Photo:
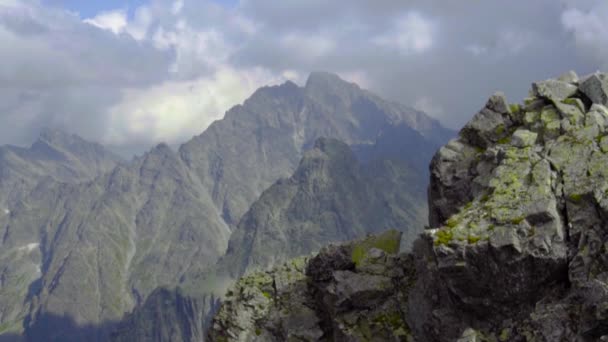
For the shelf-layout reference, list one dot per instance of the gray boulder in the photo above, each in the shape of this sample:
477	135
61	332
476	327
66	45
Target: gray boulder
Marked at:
595	87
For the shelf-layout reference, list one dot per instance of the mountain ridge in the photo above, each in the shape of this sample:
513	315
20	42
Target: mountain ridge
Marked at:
164	216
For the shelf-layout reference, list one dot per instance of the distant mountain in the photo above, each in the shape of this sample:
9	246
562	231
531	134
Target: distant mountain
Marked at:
263	140
56	155
92	251
331	197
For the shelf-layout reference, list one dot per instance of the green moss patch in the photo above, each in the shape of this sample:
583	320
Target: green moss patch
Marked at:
576	198
389	242
444	236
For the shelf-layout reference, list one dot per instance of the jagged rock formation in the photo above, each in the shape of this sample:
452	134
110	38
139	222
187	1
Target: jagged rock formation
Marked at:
93	251
516	248
355	291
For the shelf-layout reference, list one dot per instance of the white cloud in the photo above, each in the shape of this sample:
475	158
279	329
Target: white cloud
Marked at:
429	106
507	43
411	33
589	30
176	109
476	50
177	7
115	21
514	41
309	47
139	26
194	50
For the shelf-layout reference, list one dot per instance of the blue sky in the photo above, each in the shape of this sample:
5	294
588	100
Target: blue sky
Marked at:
89	8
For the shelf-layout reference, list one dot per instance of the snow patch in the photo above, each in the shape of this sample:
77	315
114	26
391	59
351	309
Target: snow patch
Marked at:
29	247
6	211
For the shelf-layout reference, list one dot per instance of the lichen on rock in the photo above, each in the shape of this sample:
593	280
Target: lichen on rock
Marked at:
351	292
536	209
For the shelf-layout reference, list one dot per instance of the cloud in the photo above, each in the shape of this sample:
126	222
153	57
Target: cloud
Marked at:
427	105
588	27
114	21
309	47
411	33
174	110
164	70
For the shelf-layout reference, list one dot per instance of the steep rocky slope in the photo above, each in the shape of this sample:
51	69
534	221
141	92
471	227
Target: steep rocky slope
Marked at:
515	251
56	155
331	197
90	252
99	247
263	140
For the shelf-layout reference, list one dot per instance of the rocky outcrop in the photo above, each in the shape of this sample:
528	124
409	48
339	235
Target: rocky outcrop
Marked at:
353	292
516	248
518	214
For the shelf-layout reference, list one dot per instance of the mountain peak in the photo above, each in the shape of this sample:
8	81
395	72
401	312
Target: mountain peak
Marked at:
54	135
327	87
326	79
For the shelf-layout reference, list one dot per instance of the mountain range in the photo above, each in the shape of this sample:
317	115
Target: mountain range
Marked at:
92	246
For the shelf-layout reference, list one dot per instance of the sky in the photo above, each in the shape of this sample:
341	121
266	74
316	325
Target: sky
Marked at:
130	74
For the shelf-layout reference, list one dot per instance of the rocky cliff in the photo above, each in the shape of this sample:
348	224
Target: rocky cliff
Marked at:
515	251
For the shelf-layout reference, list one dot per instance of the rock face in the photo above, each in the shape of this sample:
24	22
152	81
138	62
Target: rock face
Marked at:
256	143
518	215
331	197
515	251
55	155
84	254
352	292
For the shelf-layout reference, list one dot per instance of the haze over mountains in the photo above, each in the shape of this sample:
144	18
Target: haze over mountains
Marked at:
87	238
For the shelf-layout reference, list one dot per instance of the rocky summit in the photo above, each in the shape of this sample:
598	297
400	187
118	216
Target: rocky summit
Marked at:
516	248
